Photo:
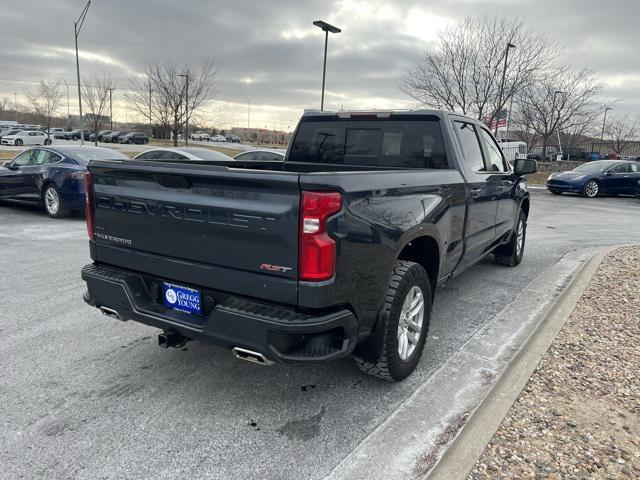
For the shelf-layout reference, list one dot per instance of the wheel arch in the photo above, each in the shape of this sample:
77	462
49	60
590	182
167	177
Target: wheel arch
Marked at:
424	250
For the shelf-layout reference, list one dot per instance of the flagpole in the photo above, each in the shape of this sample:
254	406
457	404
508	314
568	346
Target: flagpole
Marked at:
509	117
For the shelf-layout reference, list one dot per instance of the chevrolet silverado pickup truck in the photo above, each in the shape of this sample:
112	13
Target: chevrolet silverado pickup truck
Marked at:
335	252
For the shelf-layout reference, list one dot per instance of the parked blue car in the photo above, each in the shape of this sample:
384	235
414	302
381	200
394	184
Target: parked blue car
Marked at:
612	177
51	177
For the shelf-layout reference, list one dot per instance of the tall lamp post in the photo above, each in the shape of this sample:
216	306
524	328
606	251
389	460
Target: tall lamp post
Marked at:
604	122
186	107
504	75
248	109
326	28
556	93
77	27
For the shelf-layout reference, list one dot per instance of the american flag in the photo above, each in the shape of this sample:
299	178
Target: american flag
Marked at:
500	119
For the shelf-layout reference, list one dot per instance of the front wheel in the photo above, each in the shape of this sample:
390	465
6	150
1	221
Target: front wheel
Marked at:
511	253
406	314
590	189
19	143
53	203
75	139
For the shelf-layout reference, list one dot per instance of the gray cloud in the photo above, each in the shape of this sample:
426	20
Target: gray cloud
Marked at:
274	44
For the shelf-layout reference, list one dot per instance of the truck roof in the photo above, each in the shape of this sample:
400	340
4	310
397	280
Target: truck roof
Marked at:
380	113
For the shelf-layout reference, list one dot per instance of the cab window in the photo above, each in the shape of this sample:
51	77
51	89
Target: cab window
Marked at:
494	154
471	151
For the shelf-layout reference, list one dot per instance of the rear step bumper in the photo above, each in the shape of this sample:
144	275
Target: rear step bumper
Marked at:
280	334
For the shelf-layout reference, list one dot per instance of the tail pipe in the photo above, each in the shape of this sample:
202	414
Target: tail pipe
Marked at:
110	312
250	356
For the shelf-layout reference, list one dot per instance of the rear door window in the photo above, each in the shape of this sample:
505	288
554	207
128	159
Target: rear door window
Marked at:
396	142
470	144
494	154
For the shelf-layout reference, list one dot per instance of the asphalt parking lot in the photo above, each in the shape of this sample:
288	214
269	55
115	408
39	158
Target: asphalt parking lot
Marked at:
83	396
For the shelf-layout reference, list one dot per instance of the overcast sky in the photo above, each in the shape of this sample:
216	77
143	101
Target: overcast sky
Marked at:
270	51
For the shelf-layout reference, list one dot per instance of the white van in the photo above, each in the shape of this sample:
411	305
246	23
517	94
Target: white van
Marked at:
514	150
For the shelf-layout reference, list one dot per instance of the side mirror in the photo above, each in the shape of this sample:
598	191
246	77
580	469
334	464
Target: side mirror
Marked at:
525	166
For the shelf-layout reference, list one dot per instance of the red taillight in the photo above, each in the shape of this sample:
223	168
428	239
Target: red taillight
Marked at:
88	189
317	248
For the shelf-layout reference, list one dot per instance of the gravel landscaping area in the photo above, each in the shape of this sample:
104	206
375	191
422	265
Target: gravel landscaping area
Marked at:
579	414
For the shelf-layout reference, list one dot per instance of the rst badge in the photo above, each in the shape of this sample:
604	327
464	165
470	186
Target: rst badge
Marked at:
274	268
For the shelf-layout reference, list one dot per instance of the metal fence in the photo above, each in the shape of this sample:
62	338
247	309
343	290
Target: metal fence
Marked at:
588	151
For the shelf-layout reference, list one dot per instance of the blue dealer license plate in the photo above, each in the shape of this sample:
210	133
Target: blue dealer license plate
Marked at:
181	298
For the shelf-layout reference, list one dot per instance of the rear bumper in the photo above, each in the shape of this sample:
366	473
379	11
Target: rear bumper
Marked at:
280	333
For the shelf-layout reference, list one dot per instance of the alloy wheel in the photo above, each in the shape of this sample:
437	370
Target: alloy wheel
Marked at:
591	189
52	201
410	323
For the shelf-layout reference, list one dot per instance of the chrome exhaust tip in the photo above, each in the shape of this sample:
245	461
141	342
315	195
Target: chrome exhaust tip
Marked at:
250	356
110	312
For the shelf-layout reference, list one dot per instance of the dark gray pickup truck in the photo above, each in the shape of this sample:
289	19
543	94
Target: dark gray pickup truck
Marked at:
336	251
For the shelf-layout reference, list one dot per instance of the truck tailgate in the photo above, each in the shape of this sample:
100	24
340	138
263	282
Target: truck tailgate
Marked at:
228	229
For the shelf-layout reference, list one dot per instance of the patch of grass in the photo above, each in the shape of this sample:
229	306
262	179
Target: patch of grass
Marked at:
8	154
538	178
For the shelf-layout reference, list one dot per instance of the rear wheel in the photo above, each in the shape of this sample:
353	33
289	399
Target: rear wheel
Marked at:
53	202
590	189
75	138
406	314
47	141
511	253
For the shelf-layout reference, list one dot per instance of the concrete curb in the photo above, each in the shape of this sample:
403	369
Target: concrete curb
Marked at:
414	437
459	459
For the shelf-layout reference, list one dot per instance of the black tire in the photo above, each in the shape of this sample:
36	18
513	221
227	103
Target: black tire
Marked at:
61	210
75	138
510	254
588	189
389	365
47	141
18	142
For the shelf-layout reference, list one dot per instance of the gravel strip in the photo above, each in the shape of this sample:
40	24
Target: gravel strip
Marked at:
579	414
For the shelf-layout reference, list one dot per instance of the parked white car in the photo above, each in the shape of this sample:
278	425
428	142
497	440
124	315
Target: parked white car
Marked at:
219	138
26	137
200	136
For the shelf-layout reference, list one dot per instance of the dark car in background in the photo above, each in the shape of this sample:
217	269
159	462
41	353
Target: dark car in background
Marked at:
75	134
113	136
261	155
51	177
134	137
233	138
100	135
612	177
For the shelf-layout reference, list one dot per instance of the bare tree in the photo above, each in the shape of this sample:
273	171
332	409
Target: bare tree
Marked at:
562	100
95	94
5	104
464	72
622	132
160	94
44	101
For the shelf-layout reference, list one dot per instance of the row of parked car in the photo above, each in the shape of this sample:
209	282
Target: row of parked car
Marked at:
19	137
52	176
204	136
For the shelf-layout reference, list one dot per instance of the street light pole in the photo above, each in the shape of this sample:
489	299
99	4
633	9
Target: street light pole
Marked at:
67	85
186	108
501	92
326	28
77	27
248	110
557	92
604	122
111	108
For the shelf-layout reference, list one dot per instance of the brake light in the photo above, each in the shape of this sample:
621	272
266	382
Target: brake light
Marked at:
88	189
317	248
